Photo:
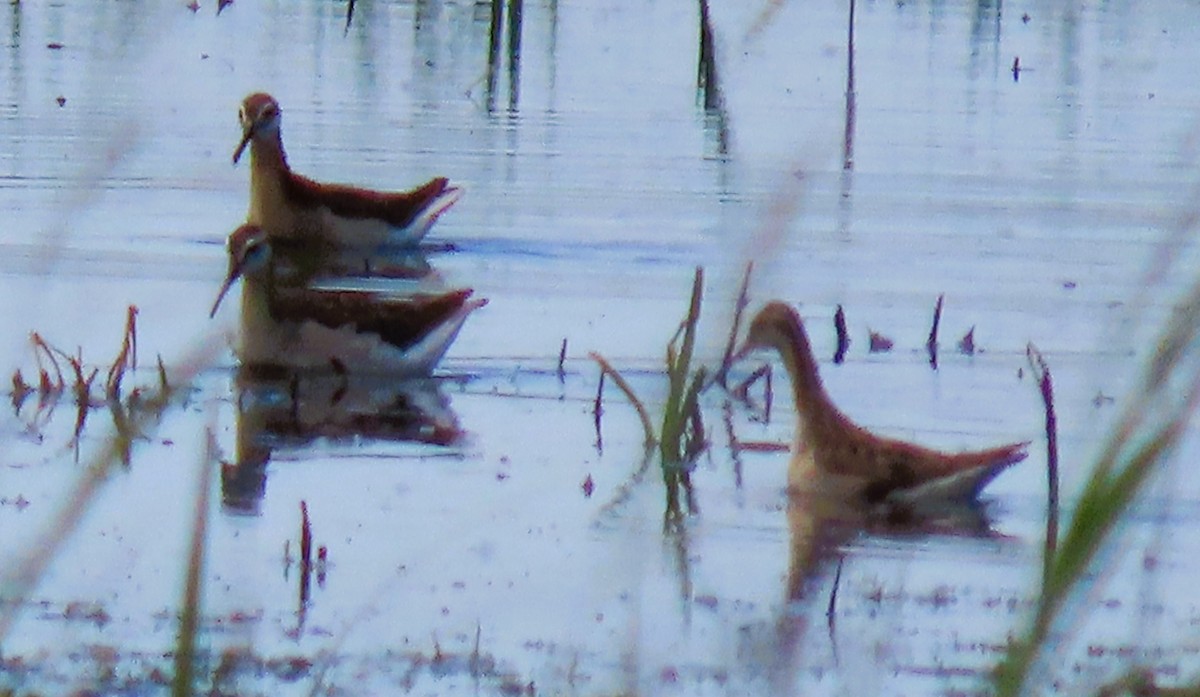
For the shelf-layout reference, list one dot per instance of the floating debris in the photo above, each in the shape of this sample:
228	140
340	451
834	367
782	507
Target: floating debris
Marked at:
879	343
966	345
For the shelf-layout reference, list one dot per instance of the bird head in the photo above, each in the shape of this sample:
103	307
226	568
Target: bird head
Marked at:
249	253
259	117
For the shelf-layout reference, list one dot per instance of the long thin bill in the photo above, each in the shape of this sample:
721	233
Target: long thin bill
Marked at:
242	145
229	279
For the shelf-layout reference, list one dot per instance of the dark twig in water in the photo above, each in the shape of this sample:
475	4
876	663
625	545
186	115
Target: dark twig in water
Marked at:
1041	372
932	343
305	539
305	567
831	609
349	16
562	359
843	338
739	309
598	410
878	343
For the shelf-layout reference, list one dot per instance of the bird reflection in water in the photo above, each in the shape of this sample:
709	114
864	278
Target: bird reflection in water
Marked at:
284	409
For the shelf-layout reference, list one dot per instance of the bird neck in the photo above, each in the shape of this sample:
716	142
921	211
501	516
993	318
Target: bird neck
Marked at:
814	408
268	153
257	291
268	174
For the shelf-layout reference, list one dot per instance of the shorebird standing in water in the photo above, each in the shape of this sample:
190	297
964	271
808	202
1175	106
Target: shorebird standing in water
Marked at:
288	205
833	455
296	326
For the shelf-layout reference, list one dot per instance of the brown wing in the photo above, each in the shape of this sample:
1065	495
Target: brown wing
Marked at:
396	208
886	464
903	465
400	322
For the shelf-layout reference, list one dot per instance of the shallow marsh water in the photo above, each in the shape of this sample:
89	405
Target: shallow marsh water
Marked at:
596	181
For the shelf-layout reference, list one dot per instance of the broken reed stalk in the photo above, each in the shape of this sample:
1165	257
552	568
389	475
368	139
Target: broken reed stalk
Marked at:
739	308
43	350
82	387
1041	373
126	357
189	618
619	380
932	343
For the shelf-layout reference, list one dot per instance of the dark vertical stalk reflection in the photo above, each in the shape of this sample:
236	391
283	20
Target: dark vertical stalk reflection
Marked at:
493	65
848	130
497	51
707	81
514	52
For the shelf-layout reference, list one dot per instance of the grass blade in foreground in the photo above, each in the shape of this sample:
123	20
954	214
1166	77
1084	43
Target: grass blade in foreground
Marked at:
189	619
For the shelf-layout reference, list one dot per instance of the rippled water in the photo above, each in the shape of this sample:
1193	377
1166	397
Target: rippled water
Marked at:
596	181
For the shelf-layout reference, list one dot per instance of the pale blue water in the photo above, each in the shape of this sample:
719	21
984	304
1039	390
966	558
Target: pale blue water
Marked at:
596	181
